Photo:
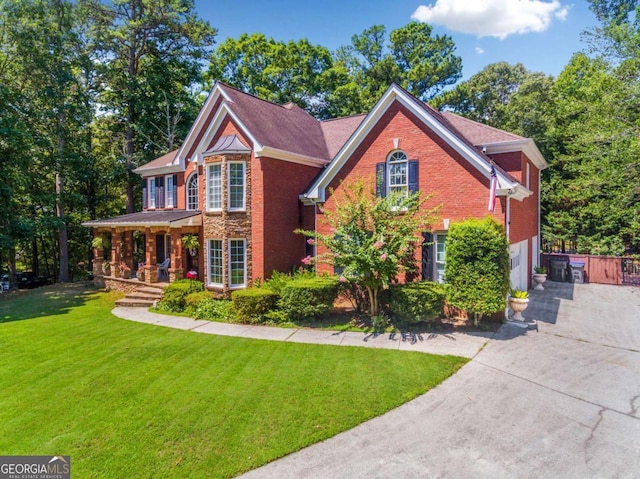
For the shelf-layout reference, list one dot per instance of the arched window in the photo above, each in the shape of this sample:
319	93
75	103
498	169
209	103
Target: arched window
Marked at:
192	192
397	176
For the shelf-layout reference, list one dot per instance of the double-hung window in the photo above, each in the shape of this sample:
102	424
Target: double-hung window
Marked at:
441	256
172	191
215	262
237	260
235	185
214	187
152	193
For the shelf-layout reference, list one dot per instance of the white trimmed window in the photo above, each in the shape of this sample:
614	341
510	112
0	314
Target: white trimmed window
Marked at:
192	192
172	191
237	263
236	189
215	262
214	187
397	174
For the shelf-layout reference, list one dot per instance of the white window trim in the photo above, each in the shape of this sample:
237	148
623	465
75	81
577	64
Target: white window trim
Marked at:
528	179
151	192
436	237
189	179
168	193
208	262
208	188
244	263
244	186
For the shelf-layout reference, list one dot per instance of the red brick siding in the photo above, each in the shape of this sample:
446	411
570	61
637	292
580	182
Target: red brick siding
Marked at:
454	183
282	213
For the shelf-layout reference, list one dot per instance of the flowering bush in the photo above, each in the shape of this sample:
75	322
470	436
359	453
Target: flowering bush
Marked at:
372	239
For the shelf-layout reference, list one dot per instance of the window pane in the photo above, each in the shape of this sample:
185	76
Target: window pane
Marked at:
236	262
236	186
215	262
214	193
441	250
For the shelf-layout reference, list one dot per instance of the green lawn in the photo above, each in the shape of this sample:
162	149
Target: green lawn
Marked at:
134	400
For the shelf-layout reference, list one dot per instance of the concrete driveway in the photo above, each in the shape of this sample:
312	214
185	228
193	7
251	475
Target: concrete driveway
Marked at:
562	401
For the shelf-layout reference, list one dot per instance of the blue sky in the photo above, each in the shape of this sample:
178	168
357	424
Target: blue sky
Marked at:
541	34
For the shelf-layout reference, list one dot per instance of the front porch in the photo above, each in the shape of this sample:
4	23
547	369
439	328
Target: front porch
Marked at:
146	247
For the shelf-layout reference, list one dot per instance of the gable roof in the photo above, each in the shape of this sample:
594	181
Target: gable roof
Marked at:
437	122
337	132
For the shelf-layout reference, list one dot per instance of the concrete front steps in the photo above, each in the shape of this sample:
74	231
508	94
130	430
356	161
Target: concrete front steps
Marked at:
143	297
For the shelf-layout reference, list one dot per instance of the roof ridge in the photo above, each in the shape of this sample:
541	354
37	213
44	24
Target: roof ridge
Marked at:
342	117
261	99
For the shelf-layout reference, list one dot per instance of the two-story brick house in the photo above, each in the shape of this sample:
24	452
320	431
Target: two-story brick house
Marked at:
250	172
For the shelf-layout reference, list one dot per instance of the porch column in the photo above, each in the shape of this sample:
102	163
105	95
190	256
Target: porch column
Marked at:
127	254
98	260
150	267
116	252
176	271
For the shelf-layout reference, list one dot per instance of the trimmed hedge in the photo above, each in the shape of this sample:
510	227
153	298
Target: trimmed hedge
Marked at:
308	298
252	304
417	302
174	297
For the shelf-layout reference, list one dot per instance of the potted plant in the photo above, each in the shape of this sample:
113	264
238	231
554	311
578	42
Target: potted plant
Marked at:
518	302
97	242
125	271
106	268
539	276
191	243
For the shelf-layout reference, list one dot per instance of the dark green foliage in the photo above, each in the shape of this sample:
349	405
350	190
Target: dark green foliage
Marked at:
252	304
477	267
193	300
308	298
213	309
415	302
175	295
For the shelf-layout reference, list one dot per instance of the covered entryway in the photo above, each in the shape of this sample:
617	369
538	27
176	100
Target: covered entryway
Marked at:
141	242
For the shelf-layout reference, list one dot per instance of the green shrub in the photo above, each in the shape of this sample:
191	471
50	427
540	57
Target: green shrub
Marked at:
278	280
307	298
477	267
174	296
213	309
192	300
252	304
415	302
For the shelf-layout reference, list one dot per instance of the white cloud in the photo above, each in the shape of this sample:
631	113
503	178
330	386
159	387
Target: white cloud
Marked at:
479	51
492	18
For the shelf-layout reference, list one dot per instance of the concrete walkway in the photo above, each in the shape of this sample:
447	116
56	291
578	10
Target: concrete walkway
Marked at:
562	401
559	401
459	344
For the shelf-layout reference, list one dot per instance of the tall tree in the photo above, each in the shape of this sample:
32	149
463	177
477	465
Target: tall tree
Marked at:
47	54
411	57
151	52
280	72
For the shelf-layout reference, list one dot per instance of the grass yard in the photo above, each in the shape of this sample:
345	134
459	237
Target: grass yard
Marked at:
134	400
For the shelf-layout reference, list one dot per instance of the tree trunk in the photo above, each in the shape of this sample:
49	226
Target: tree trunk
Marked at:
63	243
374	307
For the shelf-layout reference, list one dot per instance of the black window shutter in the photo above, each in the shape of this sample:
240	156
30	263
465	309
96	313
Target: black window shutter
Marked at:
427	256
175	191
381	180
413	176
144	193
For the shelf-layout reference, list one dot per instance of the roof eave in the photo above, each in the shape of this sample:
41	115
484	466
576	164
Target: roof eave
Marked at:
158	170
270	152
